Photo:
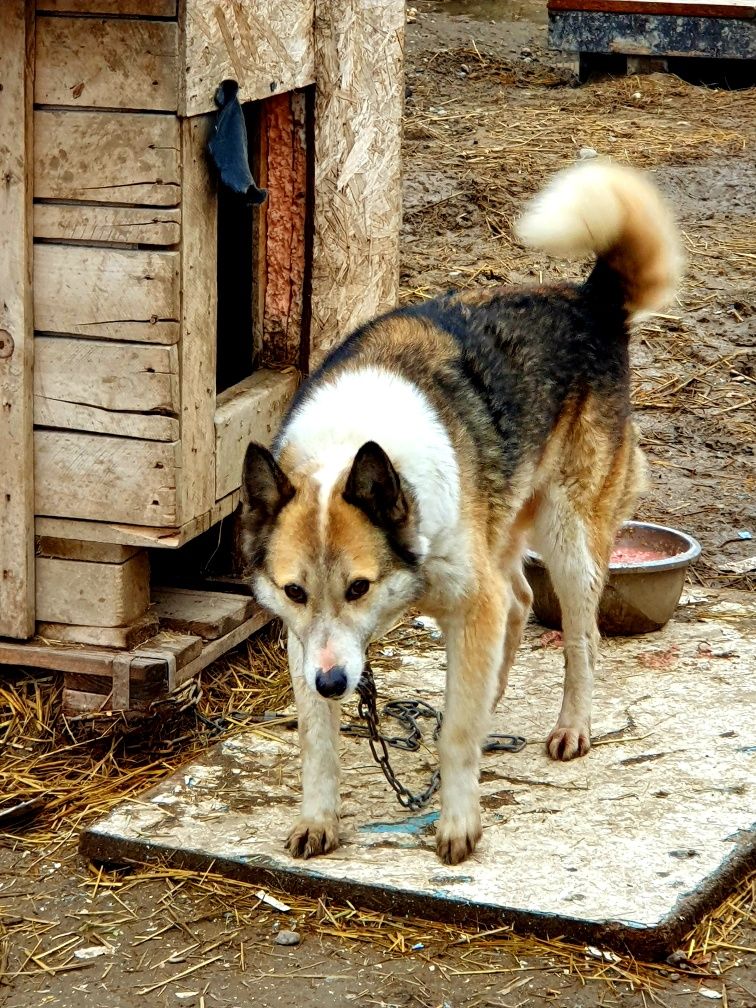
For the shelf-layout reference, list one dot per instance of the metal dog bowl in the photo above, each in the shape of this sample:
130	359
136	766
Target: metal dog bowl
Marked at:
640	594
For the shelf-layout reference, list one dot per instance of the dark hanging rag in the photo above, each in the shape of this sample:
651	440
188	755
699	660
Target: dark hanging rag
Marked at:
228	145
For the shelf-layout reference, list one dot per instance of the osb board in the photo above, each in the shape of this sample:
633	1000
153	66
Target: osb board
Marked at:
107	157
266	46
357	214
250	411
104	478
122	294
16	326
628	845
121	63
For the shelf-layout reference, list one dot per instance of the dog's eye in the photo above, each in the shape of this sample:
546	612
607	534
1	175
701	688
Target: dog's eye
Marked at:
357	589
296	593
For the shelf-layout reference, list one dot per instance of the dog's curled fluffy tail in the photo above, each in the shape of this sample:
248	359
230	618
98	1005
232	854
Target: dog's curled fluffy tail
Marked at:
616	214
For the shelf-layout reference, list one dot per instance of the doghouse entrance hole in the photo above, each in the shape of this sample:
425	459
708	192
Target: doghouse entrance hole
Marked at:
238	340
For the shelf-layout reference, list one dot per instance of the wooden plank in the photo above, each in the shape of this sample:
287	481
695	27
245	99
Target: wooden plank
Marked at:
198	323
105	478
75	549
101	157
283	123
214	649
75	416
111	375
68	659
16	342
126	637
107	63
144	8
138	535
107	292
357	212
184	647
266	46
250	411
92	594
102	223
673	8
206	614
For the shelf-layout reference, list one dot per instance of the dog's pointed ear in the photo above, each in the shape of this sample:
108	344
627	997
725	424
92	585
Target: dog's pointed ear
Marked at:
265	490
374	486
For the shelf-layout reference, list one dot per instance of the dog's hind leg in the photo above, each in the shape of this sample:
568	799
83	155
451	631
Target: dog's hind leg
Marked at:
317	829
475	641
562	537
517	617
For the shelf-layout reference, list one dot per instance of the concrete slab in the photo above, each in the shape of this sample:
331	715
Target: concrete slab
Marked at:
628	846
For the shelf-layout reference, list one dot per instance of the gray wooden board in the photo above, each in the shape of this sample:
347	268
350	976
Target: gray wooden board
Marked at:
652	35
628	846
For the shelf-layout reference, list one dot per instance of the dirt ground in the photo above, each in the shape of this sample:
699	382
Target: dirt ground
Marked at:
489	114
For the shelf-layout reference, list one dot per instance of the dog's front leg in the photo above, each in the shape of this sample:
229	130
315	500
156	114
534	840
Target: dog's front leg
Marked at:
474	648
317	829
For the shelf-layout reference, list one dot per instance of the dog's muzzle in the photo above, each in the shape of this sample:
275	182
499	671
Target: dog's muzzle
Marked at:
331	683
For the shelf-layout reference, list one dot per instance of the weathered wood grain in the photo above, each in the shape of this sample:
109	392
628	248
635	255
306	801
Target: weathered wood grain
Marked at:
198	322
357	215
129	636
106	292
250	411
105	478
78	417
74	549
92	594
101	223
132	377
107	63
107	157
266	46
207	614
16	337
144	8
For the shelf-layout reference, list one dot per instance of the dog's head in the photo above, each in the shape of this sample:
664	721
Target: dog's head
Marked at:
338	561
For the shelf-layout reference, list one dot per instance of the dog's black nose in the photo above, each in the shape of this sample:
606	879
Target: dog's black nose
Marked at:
332	683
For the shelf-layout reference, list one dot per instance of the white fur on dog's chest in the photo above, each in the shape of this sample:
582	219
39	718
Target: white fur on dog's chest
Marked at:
373	404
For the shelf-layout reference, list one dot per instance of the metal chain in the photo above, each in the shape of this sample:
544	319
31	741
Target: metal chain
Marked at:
406	712
367	710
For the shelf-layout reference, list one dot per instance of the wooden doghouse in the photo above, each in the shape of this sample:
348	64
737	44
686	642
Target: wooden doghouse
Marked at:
150	327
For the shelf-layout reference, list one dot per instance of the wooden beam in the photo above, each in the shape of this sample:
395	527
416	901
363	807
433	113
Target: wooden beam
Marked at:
93	594
106	478
107	157
198	322
250	411
16	342
107	63
126	637
138	535
357	215
107	293
75	549
144	8
266	46
100	223
204	613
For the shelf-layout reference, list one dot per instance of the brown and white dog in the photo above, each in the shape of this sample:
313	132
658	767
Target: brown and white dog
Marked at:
415	463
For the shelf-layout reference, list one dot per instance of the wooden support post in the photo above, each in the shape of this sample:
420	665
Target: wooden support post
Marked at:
16	332
357	212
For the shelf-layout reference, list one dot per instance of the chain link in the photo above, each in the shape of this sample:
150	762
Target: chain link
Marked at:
406	712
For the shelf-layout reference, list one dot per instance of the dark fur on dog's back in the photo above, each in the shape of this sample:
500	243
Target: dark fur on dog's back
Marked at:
507	361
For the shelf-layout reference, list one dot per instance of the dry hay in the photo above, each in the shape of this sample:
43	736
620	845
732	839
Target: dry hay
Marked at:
81	782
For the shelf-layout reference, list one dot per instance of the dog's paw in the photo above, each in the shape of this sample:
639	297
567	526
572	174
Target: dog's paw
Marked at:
311	837
567	742
457	837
